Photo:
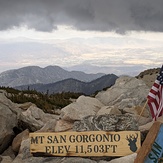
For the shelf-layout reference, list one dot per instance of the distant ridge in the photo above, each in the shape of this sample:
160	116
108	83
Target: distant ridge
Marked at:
35	74
74	85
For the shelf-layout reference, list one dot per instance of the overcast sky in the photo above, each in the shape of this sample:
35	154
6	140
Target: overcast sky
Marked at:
105	33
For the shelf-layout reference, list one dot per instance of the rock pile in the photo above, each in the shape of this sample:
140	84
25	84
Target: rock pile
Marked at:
115	109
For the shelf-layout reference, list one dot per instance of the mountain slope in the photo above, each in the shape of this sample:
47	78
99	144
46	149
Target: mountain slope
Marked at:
34	74
73	85
149	76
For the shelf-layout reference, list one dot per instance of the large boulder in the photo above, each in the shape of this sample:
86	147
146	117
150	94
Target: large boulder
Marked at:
108	122
34	118
8	120
18	139
126	93
24	152
83	106
12	106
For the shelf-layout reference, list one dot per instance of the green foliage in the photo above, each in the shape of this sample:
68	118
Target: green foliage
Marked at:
48	103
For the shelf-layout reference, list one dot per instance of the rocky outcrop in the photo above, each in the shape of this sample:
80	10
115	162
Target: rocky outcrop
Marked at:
14	119
149	76
126	93
116	109
83	106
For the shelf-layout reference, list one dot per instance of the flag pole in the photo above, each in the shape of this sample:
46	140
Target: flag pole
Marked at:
143	109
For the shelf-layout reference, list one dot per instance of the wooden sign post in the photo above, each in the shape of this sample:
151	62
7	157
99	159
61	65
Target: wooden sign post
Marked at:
152	148
89	143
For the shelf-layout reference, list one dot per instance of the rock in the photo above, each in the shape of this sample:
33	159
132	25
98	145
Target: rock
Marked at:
6	159
83	106
24	152
18	139
29	122
126	93
108	110
34	118
49	126
140	120
149	76
137	110
56	126
107	123
9	152
146	127
125	159
25	149
63	126
5	101
25	106
8	120
57	111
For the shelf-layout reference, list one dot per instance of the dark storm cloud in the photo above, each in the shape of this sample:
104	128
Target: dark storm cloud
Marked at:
101	15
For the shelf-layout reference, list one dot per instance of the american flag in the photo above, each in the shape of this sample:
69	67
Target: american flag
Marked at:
155	96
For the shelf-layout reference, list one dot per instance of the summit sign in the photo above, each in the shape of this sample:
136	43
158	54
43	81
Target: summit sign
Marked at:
90	143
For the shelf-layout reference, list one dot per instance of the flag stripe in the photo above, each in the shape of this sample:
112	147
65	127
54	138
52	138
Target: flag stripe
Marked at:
151	95
155	96
160	109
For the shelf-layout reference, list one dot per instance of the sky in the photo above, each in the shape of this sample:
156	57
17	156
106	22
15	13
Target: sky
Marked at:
109	36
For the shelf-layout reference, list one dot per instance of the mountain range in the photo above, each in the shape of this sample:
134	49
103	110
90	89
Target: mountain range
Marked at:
55	79
73	85
37	75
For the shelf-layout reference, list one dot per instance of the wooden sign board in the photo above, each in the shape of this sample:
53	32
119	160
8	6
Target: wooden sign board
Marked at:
89	143
152	148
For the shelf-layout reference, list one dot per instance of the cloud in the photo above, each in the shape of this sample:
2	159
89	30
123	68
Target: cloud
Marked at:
100	15
99	51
